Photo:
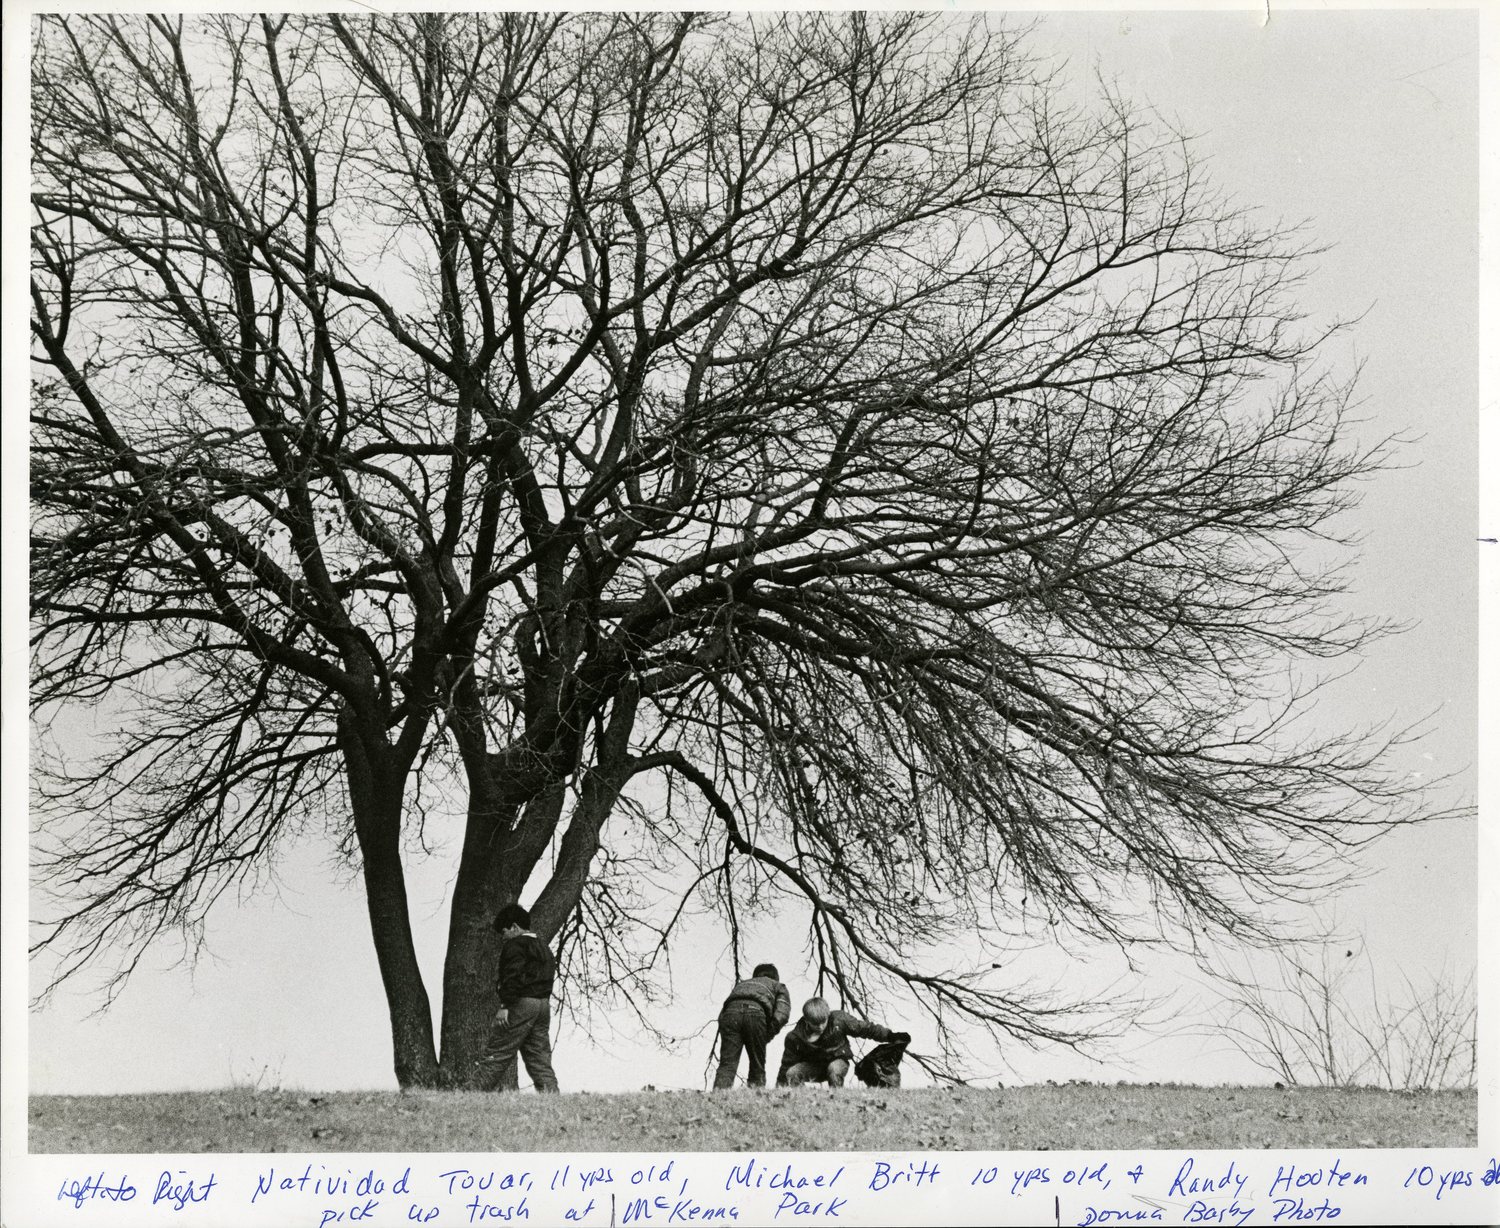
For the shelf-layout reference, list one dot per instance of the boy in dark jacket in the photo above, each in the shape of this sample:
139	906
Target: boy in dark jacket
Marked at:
755	1011
817	1049
524	1019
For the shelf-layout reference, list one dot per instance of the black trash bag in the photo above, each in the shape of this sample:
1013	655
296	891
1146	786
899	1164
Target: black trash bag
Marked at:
881	1066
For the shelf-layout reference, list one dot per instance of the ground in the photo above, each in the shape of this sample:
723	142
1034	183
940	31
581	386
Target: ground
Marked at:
1072	1117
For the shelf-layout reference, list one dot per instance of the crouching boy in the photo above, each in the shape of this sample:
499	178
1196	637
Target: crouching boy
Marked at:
817	1049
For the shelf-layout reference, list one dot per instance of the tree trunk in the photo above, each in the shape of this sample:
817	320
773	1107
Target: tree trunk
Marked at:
497	861
596	799
469	999
557	900
411	1013
376	786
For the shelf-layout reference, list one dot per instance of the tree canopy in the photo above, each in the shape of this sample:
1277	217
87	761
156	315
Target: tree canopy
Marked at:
758	460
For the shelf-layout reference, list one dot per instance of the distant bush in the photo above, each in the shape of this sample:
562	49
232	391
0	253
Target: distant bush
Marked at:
1322	1019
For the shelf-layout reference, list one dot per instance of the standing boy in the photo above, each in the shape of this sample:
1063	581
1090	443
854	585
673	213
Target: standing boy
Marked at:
755	1011
524	1019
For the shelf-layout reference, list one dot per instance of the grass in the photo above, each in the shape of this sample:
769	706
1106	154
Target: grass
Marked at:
1071	1116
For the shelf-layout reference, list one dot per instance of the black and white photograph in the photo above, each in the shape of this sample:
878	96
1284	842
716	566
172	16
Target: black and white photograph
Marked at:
901	582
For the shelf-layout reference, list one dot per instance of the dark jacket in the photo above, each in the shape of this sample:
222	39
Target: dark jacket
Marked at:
771	996
832	1042
526	969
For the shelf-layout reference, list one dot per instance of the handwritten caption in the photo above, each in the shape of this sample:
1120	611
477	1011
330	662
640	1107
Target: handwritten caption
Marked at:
1082	1191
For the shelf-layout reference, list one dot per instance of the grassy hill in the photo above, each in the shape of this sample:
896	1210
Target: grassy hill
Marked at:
1069	1116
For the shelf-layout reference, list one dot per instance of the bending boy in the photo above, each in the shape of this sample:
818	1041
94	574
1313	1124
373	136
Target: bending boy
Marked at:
755	1011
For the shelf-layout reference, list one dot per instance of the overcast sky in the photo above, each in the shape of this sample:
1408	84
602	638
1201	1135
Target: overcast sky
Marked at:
1363	123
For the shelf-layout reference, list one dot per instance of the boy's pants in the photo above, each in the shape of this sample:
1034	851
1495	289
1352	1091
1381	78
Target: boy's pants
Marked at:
742	1026
525	1031
798	1073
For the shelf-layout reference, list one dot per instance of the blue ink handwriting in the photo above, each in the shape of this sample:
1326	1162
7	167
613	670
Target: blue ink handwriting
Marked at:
787	1179
328	1184
1087	1173
1186	1183
682	1211
1445	1180
912	1175
479	1210
466	1179
799	1206
1116	1215
350	1214
1201	1213
180	1193
78	1192
1295	1210
1289	1178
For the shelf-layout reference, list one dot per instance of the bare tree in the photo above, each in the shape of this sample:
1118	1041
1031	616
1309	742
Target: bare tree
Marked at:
749	459
1323	1019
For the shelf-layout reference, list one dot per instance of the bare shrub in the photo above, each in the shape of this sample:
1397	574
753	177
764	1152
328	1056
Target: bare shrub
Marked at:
1324	1019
